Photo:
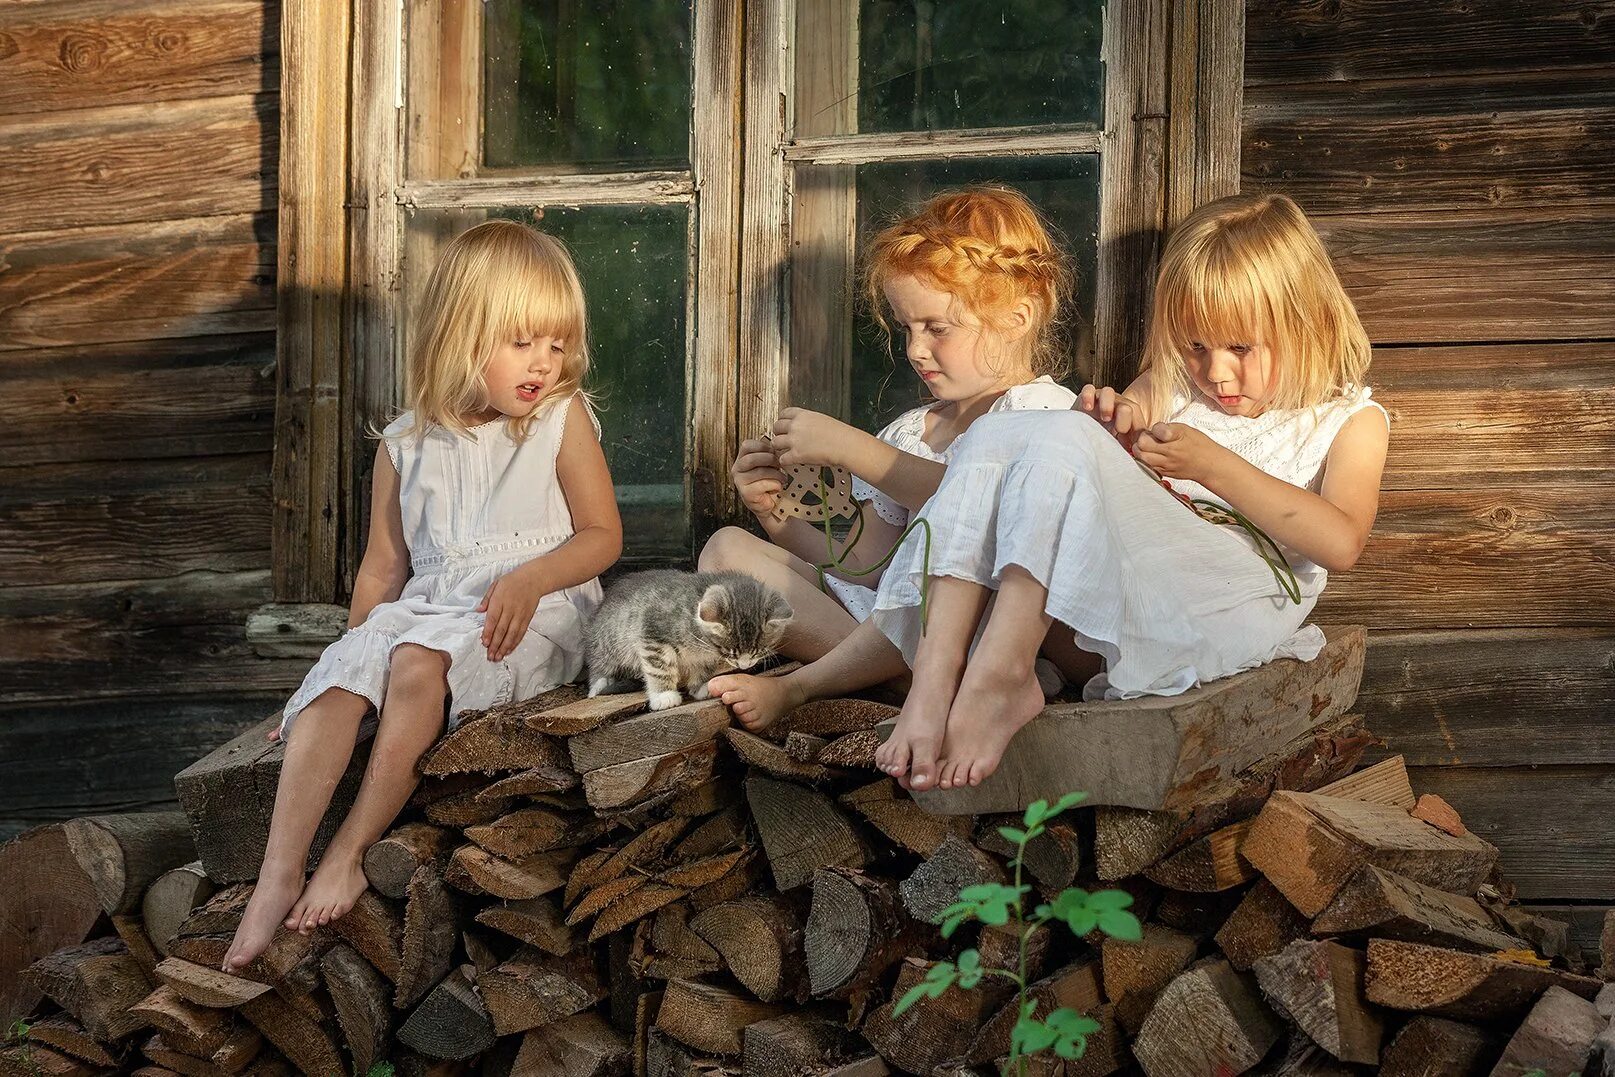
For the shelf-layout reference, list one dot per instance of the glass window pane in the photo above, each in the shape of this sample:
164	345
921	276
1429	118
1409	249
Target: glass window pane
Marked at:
597	85
633	261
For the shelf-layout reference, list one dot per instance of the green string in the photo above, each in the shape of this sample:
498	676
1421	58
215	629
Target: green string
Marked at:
1266	548
838	562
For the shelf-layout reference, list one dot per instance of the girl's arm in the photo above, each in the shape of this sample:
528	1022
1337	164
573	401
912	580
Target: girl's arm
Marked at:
385	567
809	437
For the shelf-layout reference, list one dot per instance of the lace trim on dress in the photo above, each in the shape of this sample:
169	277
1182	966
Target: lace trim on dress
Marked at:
465	554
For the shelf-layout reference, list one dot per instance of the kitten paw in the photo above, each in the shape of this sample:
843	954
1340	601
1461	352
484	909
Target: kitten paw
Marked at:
661	701
700	691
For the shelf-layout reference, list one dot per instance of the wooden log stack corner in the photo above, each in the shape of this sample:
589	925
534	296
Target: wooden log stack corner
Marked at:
582	888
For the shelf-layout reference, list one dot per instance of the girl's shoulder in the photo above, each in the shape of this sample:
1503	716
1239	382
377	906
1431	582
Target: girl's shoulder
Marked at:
908	429
1040	394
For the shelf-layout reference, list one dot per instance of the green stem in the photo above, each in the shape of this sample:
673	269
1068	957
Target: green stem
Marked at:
1020	919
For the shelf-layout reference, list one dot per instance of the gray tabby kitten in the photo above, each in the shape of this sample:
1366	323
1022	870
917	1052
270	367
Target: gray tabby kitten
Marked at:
678	629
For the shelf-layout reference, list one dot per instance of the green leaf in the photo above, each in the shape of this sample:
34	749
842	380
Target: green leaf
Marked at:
1030	1036
1071	1031
1013	834
381	1069
1119	924
1070	800
991	902
938	978
1100	900
1036	812
970	970
951	924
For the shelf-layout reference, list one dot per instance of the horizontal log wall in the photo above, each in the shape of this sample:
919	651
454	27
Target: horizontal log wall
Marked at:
1458	161
137	392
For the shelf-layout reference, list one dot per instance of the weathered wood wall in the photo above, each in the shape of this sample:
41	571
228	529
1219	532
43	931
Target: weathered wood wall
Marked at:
1459	160
137	392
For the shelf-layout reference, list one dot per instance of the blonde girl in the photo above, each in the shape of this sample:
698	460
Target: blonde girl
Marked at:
1252	398
974	283
492	514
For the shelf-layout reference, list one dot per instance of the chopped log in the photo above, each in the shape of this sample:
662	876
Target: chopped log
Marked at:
204	1028
1439	814
578	716
467	809
710	1017
533	989
857	928
56	907
646	1004
1545	935
240	1049
1465	987
582	1045
526	831
32	1060
1166	752
1075	987
1200	915
1207	864
1436	1047
1557	1036
746	876
165	1054
640	779
1309	845
893	812
305	1042
1381	903
532	783
133	933
801	1043
721	791
69	1037
648	735
1052	858
124	854
1135	973
723	830
1128	840
171	899
699	874
535	921
489	744
391	862
202	986
802	830
360	996
1263	923
97	983
431	928
1298	1056
451	1022
1319	986
805	747
1210	1020
760	939
640	851
834	717
665	1057
595	900
1386	782
854	750
474	870
999	947
635	906
374	927
933	1030
936	883
773	760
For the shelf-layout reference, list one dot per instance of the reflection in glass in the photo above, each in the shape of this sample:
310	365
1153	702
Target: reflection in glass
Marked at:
632	260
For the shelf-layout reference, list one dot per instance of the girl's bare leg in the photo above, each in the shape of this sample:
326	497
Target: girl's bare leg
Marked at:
411	722
999	692
910	753
818	622
317	754
864	659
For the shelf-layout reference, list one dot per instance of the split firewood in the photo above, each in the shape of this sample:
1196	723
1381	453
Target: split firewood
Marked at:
744	877
802	1043
710	1017
533	783
936	883
591	903
722	830
533	989
1465	987
760	940
1439	814
391	862
97	983
305	1042
932	1030
1263	923
805	747
1075	987
490	744
160	1051
1309	845
290	962
132	930
1386	782
630	783
1437	1047
360	995
833	718
671	939
204	986
1319	986
857	928
569	717
582	1045
648	735
67	1036
480	951
771	759
868	1066
526	831
718	792
124	854
1052	858
32	1060
582	875
1207	864
1136	972
451	1023
634	906
1211	1019
59	908
536	921
893	812
474	870
1557	1036
431	929
171	899
646	1005
666	1057
468	809
999	946
701	873
638	853
1383	904
241	1049
1547	936
854	751
1298	1056
1199	914
374	927
802	830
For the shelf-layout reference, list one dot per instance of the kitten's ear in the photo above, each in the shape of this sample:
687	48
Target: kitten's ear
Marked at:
779	613
714	605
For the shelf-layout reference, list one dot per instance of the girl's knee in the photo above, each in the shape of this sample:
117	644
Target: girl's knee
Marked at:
728	549
417	665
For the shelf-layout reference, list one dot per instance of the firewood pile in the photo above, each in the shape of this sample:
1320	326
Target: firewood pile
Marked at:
581	887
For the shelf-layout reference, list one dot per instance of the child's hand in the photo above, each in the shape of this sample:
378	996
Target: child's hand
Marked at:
809	437
1179	452
757	477
509	604
1121	415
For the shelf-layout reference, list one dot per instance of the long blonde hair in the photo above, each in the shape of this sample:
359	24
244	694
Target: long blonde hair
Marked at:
492	283
1251	269
988	248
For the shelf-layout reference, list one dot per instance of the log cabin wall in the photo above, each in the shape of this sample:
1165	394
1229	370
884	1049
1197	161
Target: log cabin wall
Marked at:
1459	160
137	392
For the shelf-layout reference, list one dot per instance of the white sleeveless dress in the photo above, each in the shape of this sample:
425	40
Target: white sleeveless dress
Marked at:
1167	599
907	432
474	508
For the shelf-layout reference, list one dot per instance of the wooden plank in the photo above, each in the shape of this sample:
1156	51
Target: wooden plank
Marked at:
116	165
201	397
1373	39
137	519
63	54
1465	275
668	188
150	281
1499	142
1207	88
1452	559
877	146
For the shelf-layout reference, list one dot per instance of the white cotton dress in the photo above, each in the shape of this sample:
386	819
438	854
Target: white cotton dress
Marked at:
1167	599
907	432
474	508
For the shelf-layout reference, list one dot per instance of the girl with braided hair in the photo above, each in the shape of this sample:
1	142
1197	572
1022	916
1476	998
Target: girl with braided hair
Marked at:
975	285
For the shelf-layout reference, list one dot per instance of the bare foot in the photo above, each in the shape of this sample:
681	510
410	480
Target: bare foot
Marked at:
336	885
910	753
757	702
271	897
992	704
